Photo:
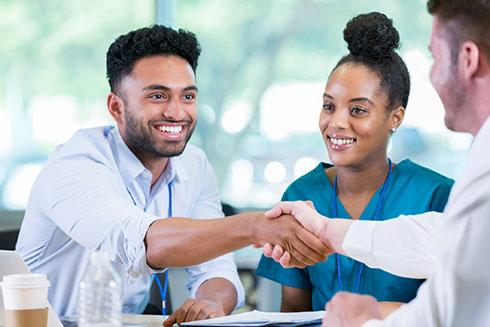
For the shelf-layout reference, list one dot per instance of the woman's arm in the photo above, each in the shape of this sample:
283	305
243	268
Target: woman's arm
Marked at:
295	299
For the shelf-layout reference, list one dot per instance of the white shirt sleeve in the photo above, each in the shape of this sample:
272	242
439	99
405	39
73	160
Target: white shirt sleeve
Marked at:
458	293
89	208
404	246
209	206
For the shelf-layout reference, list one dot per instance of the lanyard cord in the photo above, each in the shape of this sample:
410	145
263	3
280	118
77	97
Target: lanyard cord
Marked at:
162	289
375	217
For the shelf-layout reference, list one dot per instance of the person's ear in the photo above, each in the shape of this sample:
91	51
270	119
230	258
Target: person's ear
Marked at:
396	118
115	105
468	60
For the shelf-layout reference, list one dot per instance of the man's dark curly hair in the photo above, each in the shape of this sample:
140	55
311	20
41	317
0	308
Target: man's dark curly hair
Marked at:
465	20
127	49
372	40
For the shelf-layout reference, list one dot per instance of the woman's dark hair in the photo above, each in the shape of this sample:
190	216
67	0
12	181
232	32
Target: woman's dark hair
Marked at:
372	40
148	41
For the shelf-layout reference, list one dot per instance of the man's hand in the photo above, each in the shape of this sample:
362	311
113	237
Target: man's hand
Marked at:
350	310
330	231
302	246
304	212
194	309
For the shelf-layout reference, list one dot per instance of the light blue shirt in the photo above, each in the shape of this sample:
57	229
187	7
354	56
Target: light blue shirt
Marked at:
94	194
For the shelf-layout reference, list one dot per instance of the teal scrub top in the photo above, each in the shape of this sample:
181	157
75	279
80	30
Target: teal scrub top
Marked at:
412	189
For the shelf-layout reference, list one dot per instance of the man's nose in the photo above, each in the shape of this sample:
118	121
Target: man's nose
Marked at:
174	111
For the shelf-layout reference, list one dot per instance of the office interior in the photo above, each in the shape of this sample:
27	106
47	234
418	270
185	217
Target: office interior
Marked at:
260	76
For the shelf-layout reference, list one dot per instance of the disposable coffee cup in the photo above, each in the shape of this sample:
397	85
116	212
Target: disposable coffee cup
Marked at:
25	298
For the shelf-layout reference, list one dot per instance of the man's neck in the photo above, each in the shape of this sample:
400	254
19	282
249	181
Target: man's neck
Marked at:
156	165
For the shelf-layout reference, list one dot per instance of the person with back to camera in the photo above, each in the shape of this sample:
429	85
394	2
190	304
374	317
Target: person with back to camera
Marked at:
364	103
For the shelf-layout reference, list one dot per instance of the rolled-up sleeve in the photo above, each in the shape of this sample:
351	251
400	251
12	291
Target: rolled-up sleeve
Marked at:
91	210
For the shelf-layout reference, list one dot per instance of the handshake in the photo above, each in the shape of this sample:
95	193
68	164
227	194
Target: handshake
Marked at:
303	236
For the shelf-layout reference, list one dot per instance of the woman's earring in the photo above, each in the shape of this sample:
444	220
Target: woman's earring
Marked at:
393	130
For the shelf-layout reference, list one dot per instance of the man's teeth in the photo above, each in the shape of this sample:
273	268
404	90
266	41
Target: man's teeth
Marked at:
342	141
171	129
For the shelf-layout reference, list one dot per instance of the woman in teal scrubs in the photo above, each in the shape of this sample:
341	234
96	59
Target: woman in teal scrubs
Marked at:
364	103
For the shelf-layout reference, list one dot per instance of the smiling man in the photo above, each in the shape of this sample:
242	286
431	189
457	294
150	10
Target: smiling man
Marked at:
122	190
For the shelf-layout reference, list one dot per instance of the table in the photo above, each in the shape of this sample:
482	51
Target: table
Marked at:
150	320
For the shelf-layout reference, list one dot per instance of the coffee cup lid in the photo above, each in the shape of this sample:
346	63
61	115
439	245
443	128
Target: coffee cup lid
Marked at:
25	281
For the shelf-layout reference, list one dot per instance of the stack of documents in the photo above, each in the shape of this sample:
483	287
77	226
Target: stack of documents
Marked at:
259	318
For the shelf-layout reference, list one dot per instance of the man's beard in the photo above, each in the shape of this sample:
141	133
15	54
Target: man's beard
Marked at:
141	141
455	101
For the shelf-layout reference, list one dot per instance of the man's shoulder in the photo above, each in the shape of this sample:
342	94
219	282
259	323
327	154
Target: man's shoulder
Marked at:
91	146
86	143
193	152
193	163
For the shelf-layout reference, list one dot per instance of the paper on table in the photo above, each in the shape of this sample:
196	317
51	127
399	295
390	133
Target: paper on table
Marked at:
259	318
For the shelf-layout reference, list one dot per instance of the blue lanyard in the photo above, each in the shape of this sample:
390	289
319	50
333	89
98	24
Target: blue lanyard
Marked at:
162	289
376	216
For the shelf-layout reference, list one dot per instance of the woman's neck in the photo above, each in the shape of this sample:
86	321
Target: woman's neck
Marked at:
358	181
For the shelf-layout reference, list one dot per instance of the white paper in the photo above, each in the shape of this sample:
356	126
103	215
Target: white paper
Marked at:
259	318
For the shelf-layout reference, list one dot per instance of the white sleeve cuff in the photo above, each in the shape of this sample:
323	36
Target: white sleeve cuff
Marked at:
358	242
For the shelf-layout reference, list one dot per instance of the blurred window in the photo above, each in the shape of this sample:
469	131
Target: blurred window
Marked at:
261	78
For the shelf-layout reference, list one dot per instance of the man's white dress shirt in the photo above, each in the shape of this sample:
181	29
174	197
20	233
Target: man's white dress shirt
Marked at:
451	250
94	194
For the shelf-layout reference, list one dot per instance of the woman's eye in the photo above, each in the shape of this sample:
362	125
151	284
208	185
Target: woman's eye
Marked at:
358	111
328	107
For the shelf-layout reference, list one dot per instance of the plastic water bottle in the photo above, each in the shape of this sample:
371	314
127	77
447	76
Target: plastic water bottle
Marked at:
100	293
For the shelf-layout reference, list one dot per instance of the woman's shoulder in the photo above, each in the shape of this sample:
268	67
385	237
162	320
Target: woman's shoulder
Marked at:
309	181
418	174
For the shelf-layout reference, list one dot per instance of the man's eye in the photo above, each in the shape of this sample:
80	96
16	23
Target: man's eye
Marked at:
158	96
189	96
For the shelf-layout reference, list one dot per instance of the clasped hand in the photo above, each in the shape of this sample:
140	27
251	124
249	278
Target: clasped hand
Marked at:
307	216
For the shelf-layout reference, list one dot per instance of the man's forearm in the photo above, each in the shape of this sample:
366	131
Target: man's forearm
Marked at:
219	291
178	242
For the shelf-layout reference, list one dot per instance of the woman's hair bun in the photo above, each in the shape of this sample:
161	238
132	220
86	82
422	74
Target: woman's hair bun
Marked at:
372	36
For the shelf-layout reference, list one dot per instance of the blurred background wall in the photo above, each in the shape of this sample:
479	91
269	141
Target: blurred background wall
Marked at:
261	77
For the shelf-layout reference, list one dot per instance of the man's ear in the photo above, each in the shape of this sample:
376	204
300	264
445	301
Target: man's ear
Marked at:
396	117
469	60
115	105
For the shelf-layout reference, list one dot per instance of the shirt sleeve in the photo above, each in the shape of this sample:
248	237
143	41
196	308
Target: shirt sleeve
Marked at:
207	206
457	294
412	253
89	208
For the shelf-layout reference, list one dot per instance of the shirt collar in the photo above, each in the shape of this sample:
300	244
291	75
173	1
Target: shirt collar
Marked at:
130	167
